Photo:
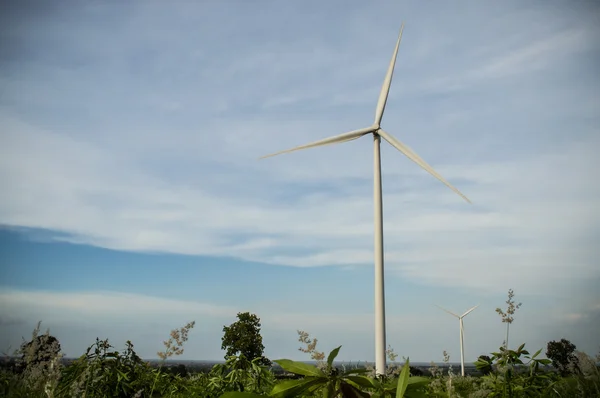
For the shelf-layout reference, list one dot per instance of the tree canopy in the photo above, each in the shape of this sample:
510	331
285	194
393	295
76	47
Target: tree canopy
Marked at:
562	355
243	337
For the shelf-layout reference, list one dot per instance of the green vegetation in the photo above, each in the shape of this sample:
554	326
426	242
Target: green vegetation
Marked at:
36	370
244	337
562	355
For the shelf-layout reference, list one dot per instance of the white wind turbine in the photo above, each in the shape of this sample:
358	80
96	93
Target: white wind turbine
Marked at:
378	133
462	349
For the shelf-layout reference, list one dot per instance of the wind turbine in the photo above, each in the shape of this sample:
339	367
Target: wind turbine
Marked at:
462	350
378	133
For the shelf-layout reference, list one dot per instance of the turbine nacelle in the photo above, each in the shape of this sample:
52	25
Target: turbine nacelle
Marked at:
458	316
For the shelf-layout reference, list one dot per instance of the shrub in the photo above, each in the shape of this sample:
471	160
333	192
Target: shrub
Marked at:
38	366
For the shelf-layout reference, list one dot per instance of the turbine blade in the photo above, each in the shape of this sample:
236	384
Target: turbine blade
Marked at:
466	313
451	313
417	159
385	89
351	135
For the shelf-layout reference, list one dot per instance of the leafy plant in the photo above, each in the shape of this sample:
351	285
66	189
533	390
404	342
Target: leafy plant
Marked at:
101	371
484	364
330	380
333	383
516	377
240	374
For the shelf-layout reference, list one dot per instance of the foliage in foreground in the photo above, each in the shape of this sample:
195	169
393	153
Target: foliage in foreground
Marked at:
103	371
330	382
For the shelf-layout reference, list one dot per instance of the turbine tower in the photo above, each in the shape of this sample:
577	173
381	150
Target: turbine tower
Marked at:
378	133
462	350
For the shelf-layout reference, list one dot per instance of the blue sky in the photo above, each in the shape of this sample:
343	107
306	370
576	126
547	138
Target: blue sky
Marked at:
133	200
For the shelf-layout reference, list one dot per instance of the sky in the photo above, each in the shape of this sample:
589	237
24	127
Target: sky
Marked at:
133	200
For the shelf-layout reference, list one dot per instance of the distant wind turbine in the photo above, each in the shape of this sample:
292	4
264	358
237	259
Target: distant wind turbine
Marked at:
378	133
462	349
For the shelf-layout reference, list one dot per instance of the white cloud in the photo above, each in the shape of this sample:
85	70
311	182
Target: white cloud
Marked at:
528	213
520	60
109	304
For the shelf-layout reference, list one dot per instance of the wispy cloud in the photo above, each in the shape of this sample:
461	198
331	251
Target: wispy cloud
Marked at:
522	211
518	62
139	126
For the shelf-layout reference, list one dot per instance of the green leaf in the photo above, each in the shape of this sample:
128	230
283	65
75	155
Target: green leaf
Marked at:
293	388
312	389
332	355
349	391
415	394
536	353
329	390
237	394
418	380
300	368
361	381
390	385
403	380
376	383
